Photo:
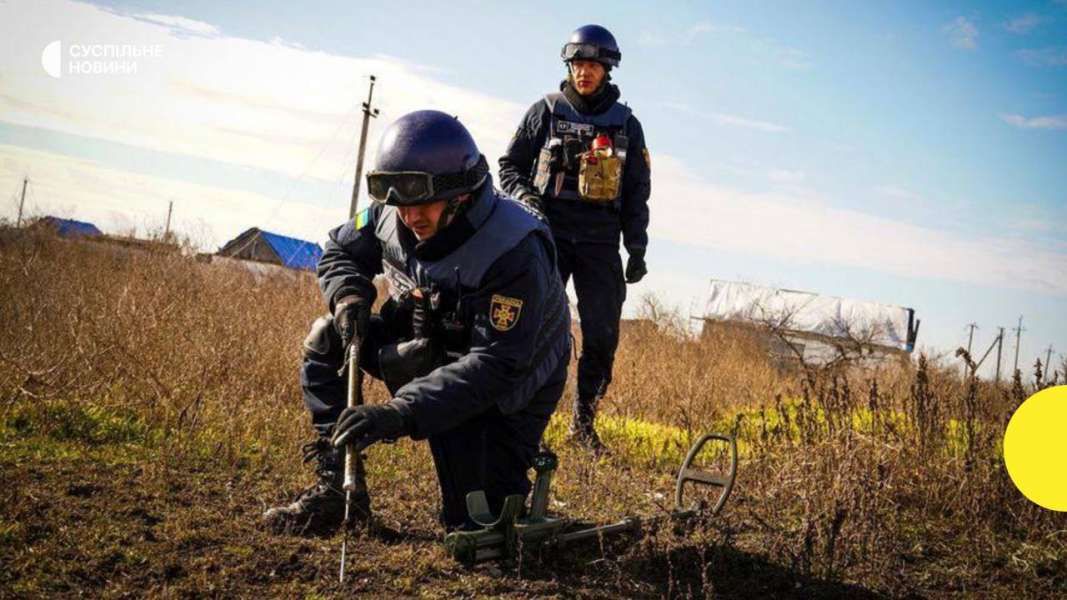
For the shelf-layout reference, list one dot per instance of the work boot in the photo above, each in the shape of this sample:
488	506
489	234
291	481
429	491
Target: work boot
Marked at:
582	431
321	507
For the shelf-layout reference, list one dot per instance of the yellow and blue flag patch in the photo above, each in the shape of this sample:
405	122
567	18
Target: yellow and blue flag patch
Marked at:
363	218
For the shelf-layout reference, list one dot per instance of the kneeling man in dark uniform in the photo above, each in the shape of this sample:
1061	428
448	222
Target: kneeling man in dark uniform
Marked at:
473	342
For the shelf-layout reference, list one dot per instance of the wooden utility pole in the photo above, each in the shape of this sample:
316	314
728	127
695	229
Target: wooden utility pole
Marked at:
970	339
1018	339
22	201
166	228
1000	346
368	112
1048	359
978	365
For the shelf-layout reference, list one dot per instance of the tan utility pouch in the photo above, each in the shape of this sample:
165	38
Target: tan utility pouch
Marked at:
599	177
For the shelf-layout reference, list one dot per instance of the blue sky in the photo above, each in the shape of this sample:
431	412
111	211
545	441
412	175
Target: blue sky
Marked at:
907	153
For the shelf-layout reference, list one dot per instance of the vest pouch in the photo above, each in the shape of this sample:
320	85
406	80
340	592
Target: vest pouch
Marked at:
544	171
599	177
548	162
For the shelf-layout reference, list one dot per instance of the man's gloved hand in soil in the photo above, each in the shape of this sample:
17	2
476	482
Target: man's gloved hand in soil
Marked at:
369	423
350	317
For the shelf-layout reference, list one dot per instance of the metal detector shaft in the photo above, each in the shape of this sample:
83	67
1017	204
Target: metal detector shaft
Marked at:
354	479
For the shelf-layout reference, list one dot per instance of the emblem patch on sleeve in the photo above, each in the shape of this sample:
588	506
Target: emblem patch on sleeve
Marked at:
648	161
504	312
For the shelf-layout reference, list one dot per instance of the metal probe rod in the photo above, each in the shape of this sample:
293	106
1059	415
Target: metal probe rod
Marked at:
353	461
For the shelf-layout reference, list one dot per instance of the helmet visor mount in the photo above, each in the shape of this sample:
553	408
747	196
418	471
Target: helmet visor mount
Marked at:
574	51
411	188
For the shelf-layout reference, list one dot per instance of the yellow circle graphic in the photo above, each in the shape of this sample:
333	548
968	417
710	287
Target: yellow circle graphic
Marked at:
1035	448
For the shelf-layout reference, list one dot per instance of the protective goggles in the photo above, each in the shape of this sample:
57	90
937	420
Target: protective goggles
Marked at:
410	188
590	52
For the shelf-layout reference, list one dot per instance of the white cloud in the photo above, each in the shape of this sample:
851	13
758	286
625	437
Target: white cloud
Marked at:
727	119
897	193
1046	122
762	48
271	105
87	190
709	27
278	41
1044	57
686	36
652	39
786	176
180	24
963	33
1023	24
794	59
794	228
1031	225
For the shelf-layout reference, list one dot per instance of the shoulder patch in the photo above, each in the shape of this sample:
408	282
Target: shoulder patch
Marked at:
364	218
504	312
648	161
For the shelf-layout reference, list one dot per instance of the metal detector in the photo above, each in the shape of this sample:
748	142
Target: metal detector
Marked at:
503	536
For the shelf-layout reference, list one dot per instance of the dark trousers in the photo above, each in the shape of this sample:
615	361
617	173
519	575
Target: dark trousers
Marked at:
601	290
490	452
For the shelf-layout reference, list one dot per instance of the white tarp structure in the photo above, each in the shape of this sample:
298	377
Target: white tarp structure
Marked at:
811	316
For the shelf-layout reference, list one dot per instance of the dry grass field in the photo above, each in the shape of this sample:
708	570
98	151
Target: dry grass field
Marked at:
150	410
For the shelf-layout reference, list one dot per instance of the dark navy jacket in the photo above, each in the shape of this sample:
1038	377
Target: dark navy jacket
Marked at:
496	263
580	222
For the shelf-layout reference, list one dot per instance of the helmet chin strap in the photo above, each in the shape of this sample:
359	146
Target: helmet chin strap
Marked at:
453	208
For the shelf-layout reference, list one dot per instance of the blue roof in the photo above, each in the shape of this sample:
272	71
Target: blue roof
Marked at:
294	253
72	228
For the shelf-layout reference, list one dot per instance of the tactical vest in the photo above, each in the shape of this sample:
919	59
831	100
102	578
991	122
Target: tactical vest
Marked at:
500	224
570	132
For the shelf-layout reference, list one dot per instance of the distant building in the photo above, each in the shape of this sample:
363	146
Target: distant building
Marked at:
68	227
813	326
266	247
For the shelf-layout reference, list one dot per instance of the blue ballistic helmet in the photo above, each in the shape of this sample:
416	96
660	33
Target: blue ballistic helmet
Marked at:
423	157
592	42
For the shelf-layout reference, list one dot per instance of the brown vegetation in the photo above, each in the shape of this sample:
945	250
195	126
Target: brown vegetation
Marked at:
150	409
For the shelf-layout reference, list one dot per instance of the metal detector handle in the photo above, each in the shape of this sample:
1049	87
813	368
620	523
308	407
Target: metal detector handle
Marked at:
353	461
687	474
544	464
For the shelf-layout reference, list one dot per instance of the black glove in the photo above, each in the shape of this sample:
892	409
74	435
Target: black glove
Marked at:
350	317
635	267
422	313
369	423
400	363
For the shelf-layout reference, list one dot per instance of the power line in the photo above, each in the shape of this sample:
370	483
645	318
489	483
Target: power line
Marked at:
303	173
309	165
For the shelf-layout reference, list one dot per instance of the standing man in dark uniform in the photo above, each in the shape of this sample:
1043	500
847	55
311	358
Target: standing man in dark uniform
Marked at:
473	343
579	156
